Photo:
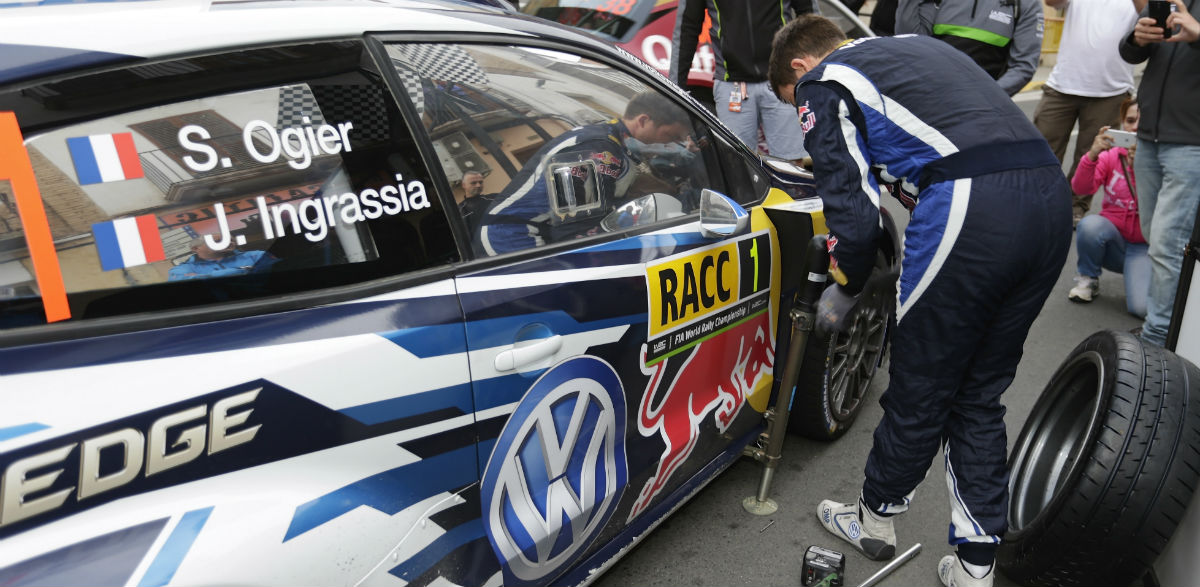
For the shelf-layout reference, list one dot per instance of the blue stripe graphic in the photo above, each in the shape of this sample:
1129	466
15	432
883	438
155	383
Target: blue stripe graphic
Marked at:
503	390
455	396
85	160
438	549
176	547
390	491
661	241
499	331
107	246
20	430
430	341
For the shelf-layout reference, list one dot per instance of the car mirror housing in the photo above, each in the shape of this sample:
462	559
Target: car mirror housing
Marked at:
721	217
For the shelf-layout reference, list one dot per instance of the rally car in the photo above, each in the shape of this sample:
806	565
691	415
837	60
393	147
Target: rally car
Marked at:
249	333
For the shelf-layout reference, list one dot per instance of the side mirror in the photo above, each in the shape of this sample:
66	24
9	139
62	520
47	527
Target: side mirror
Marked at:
644	210
721	217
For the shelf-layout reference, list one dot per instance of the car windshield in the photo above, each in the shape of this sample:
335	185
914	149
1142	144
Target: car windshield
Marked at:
610	19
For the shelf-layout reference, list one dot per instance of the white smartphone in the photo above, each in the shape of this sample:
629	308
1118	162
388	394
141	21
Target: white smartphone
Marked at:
1122	138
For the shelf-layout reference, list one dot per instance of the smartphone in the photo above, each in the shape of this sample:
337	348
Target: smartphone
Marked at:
1159	10
1122	138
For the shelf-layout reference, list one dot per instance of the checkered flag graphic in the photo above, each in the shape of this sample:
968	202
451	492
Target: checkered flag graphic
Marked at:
443	63
361	105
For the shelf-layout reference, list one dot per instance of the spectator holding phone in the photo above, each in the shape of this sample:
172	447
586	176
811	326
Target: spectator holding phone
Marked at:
1168	154
1113	238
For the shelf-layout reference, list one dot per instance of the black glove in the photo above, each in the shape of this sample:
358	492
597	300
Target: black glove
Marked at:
834	310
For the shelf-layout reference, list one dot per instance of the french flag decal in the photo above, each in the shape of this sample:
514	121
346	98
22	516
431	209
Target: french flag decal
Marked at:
128	242
105	158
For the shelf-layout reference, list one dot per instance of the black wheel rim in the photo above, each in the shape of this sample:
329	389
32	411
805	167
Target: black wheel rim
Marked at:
1051	448
854	356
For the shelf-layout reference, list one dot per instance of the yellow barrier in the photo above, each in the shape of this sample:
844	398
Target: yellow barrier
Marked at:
1052	34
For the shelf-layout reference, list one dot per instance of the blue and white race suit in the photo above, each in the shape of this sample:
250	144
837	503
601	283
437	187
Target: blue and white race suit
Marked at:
989	233
521	216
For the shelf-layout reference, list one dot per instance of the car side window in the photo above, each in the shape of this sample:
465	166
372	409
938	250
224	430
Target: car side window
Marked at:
218	178
542	146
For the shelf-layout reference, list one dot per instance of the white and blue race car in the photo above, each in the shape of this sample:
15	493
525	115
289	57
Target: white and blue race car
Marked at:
255	326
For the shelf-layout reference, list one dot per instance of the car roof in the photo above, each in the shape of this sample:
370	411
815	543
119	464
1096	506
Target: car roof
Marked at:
42	37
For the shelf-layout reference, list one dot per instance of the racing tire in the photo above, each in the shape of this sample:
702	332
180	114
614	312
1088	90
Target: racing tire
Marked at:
1104	467
837	370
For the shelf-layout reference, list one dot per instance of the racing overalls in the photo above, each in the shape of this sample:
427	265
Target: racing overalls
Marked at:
522	215
988	236
1003	36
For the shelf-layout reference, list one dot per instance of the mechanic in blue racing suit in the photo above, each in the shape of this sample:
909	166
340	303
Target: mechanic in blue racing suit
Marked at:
989	232
527	213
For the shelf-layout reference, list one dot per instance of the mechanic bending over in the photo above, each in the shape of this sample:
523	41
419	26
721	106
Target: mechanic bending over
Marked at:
988	236
521	216
1003	36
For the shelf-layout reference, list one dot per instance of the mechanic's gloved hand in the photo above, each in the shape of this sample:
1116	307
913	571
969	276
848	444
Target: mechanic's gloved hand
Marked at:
834	310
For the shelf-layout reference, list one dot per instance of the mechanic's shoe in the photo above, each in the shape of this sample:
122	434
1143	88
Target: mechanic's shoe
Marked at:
874	535
1086	289
953	574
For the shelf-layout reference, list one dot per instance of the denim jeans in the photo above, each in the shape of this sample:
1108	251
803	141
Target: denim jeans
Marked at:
1100	246
779	122
1168	188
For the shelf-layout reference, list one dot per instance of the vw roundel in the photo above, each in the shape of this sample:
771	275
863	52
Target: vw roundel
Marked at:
557	471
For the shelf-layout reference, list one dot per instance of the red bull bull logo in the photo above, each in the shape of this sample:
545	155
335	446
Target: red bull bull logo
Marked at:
717	378
605	158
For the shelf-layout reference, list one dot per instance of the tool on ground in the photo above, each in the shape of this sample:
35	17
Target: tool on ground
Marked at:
895	564
822	567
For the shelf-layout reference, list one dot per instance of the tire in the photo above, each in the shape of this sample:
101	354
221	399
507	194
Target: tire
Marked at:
837	371
1104	467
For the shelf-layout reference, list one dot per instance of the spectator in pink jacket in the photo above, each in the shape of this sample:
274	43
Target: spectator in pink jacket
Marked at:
1113	238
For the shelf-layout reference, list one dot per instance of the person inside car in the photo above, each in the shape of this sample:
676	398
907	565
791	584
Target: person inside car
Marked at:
206	262
594	169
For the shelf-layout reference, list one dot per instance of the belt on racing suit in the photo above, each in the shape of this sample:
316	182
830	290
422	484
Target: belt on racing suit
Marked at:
989	158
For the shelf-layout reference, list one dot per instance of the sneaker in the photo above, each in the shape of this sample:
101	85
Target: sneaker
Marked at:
953	574
1086	288
873	535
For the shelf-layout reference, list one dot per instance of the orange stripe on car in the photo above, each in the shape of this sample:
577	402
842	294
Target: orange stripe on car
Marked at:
15	167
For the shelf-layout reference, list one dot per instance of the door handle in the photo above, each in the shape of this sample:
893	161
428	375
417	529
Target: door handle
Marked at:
530	352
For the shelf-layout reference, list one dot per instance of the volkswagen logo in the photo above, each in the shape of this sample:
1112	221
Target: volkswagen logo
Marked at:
557	471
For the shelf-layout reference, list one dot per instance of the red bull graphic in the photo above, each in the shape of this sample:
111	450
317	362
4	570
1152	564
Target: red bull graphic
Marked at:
717	378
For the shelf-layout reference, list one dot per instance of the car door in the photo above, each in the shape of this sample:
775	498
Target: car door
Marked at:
230	342
619	357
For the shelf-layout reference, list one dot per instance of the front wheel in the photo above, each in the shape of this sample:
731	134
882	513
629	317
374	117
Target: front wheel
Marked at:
837	370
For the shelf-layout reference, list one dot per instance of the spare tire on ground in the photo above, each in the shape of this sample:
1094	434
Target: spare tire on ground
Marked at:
1105	466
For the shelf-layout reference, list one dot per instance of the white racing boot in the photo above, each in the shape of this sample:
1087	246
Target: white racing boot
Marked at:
953	574
874	536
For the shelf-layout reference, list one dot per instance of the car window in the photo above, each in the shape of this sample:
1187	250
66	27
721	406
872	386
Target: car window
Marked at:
238	176
551	143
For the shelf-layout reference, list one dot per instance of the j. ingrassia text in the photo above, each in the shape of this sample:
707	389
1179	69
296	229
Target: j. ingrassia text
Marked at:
315	216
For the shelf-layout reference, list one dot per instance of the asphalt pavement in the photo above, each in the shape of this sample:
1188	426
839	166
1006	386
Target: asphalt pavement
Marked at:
713	541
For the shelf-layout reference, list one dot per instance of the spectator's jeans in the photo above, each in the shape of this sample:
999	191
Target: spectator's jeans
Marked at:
1100	246
779	121
1168	189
